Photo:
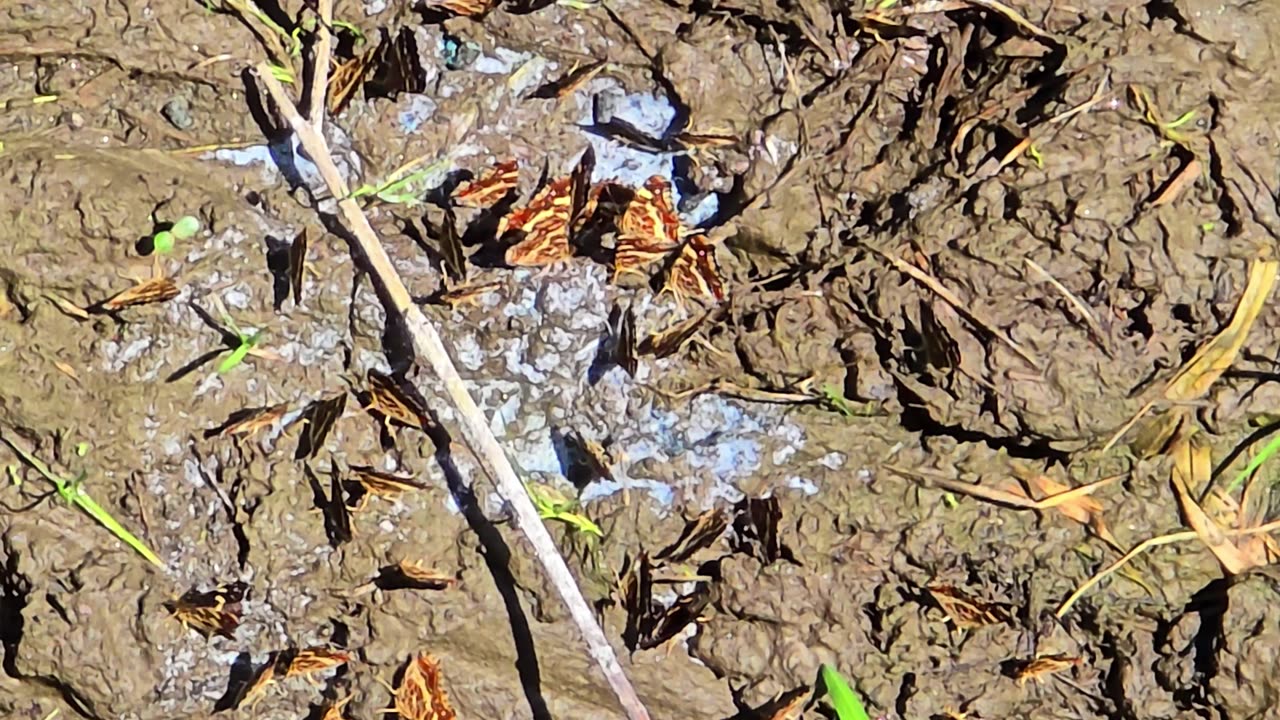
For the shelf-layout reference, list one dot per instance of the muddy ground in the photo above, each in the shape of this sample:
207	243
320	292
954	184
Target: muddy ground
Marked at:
844	384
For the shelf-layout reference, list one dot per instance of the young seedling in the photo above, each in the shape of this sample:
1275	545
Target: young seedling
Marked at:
551	505
186	227
73	492
240	343
846	702
401	188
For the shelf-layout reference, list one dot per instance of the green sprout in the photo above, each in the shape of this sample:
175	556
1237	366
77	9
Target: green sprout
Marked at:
846	702
186	227
1033	152
72	491
248	342
1272	446
401	187
281	73
552	505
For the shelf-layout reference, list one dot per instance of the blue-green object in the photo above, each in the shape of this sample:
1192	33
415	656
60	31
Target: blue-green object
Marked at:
162	242
458	54
846	702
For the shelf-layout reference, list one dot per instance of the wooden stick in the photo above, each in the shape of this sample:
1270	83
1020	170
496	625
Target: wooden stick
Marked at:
320	73
426	342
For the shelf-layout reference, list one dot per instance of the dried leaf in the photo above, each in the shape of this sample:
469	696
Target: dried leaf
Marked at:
1192	467
346	79
153	290
1195	378
68	307
1185	178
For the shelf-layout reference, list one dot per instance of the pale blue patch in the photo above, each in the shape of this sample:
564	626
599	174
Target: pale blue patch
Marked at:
832	460
705	210
804	485
658	491
420	109
281	156
729	458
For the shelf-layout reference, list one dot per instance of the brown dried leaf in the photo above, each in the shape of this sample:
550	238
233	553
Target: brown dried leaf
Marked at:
1195	378
148	291
1192	467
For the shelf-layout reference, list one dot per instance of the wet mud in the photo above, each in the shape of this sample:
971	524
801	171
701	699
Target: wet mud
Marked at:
957	246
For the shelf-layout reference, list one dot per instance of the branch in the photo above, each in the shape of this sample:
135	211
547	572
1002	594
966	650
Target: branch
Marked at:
320	72
479	437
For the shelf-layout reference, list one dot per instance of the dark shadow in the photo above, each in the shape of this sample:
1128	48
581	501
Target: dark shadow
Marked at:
277	133
278	266
497	557
238	680
194	365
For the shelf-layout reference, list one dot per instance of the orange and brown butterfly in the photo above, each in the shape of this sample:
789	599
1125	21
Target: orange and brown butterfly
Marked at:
648	230
550	218
1038	668
787	706
491	186
421	695
262	680
145	292
694	273
248	421
213	612
413	575
462	8
389	399
964	610
373	482
309	661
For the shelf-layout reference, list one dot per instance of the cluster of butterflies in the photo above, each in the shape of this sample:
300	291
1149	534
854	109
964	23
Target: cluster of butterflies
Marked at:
550	227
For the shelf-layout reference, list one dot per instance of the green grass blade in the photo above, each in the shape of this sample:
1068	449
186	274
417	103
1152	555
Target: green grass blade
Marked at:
1272	446
72	492
846	702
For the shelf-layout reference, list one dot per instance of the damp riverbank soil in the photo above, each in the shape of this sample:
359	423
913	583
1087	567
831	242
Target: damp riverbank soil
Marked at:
958	242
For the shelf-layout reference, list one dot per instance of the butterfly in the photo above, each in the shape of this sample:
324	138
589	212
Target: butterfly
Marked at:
550	217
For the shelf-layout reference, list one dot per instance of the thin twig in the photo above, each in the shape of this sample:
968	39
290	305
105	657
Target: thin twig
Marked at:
320	73
954	300
427	343
1155	542
1077	303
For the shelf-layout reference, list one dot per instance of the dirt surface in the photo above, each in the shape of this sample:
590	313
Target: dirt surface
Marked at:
900	186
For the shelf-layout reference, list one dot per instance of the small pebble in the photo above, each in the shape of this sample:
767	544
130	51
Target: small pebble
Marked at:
178	112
